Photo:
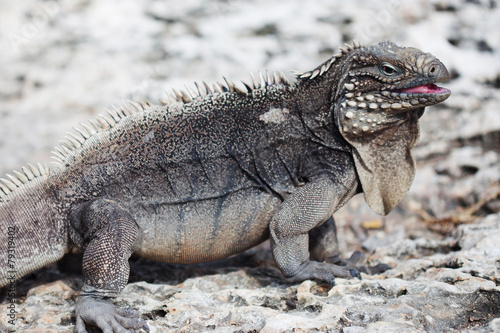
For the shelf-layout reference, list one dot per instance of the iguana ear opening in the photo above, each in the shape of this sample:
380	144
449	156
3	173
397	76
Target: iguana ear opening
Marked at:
384	163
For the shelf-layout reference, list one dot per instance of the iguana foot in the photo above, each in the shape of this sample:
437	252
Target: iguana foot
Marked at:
357	260
321	271
103	314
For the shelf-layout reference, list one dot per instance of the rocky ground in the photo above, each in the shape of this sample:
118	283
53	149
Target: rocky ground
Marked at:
64	62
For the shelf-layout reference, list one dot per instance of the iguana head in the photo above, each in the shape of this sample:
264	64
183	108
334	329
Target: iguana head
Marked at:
377	93
383	84
384	91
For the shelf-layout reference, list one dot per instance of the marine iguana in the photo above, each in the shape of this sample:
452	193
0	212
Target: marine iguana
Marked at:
214	172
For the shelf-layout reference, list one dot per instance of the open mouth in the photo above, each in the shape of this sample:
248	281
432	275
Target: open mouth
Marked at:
430	88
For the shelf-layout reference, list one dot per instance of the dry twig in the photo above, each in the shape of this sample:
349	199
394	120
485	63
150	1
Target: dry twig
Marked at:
461	215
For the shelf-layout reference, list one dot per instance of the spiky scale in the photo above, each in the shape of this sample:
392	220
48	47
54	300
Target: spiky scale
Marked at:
223	88
9	184
185	97
255	82
83	132
102	121
305	75
131	108
95	125
114	115
239	90
28	173
323	69
72	142
90	130
207	88
58	153
57	160
137	106
284	79
191	92
44	169
171	99
80	138
314	74
277	79
230	84
202	91
65	146
263	82
216	88
269	78
33	169
15	180
21	176
177	94
296	73
247	86
5	189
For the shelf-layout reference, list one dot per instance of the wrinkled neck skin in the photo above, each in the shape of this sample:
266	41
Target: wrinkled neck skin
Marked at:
382	151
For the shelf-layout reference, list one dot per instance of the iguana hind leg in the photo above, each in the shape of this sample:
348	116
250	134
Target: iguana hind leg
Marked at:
111	236
323	244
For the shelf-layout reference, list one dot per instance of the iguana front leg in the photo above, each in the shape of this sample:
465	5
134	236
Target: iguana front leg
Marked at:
112	233
304	210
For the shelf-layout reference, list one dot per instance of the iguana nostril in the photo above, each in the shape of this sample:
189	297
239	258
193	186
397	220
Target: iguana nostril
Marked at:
432	70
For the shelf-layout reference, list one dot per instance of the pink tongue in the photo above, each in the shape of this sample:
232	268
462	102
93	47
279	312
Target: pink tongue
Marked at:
425	89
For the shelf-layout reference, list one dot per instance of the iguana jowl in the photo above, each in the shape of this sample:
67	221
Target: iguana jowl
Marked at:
215	172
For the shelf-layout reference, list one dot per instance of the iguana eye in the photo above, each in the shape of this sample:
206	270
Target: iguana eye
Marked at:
389	69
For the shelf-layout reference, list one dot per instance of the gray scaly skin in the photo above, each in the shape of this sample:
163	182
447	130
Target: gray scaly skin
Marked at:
216	172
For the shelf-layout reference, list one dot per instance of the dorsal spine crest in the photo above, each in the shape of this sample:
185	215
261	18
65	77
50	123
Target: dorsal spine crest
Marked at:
67	149
323	68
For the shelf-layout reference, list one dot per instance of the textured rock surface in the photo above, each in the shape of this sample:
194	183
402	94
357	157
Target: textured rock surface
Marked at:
63	62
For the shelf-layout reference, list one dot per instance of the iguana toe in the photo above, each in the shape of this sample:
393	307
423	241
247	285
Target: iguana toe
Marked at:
107	317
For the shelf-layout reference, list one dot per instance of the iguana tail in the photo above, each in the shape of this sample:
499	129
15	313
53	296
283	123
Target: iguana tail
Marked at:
32	232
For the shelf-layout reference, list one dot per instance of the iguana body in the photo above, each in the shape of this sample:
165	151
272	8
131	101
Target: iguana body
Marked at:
205	177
